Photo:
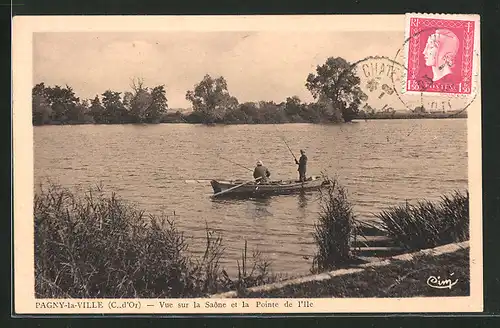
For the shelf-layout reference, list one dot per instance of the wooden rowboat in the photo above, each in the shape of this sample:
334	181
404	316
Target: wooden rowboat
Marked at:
276	187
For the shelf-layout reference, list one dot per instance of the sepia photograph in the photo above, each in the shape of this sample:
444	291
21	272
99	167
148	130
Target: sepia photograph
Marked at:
248	164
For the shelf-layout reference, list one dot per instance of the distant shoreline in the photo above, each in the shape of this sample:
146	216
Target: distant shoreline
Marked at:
173	119
411	116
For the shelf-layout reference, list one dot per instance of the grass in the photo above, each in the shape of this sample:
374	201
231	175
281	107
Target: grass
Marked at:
399	279
98	246
335	229
428	224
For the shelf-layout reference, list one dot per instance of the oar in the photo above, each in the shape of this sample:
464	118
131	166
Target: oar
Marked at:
232	188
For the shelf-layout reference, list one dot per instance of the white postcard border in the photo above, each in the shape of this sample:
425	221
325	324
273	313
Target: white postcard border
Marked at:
22	54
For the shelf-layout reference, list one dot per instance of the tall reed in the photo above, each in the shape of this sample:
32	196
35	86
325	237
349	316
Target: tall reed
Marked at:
99	246
428	224
335	229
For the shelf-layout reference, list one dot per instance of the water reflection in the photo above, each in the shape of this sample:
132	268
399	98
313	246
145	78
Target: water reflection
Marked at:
302	200
254	207
259	207
301	225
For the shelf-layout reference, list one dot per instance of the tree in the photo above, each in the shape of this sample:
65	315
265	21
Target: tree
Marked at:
127	100
96	110
138	101
211	99
114	111
41	110
62	102
294	109
248	113
139	105
77	113
338	82
158	105
270	112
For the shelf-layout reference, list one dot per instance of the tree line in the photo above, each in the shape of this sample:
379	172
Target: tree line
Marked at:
334	86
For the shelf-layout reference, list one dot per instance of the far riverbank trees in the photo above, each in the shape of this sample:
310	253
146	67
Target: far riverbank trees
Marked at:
334	85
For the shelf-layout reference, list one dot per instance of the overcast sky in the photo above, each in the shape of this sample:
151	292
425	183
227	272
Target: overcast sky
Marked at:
256	65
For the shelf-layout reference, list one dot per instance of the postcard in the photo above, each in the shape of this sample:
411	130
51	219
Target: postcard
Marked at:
182	165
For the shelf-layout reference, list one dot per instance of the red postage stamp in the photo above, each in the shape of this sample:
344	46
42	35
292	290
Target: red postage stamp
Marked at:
441	54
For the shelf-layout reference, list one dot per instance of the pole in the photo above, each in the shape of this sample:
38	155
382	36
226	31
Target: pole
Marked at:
230	161
283	138
291	152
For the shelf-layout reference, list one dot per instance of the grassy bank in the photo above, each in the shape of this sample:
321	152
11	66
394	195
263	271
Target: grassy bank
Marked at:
400	279
427	224
96	245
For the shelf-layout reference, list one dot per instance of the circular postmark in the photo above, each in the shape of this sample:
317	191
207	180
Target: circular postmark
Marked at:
376	74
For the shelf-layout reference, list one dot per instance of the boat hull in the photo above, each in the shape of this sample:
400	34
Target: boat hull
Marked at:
254	189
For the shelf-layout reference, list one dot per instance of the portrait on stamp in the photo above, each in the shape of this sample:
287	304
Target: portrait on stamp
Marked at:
440	55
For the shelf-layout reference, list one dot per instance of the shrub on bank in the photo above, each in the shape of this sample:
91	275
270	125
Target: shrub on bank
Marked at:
97	246
427	224
335	229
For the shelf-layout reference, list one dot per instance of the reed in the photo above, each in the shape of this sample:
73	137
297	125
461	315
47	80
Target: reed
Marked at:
428	224
98	246
335	229
253	270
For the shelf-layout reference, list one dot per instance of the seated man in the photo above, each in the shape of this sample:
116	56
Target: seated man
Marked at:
262	172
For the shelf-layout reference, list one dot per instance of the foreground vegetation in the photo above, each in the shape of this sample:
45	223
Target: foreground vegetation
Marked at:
335	230
399	279
428	224
97	246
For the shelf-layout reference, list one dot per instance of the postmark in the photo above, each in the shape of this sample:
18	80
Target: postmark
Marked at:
376	75
380	77
440	54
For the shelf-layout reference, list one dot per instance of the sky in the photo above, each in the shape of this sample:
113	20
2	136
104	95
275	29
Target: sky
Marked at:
257	65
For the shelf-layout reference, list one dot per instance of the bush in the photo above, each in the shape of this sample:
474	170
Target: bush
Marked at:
99	247
335	230
251	273
427	225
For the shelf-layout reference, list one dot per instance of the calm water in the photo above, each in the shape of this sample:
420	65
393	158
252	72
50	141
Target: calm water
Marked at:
381	162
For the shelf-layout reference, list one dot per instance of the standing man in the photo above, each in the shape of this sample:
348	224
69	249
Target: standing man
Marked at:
302	163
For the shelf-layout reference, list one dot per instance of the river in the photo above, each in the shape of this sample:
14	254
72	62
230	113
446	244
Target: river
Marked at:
381	163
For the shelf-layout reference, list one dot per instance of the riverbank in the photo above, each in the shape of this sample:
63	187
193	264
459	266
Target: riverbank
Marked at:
411	115
181	118
98	245
423	276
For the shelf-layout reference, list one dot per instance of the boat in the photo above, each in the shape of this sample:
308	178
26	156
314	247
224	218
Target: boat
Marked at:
274	187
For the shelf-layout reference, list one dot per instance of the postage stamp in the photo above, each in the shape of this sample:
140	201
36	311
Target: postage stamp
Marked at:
441	54
199	165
